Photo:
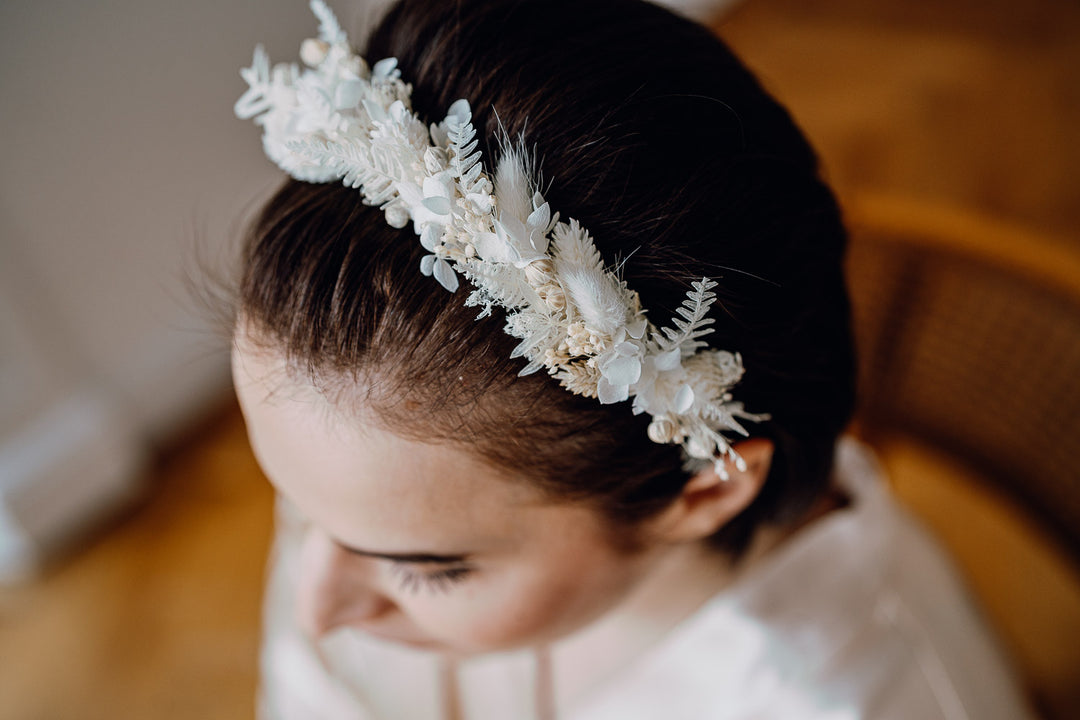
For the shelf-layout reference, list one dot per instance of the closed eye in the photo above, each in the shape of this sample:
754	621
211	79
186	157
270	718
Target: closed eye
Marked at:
438	580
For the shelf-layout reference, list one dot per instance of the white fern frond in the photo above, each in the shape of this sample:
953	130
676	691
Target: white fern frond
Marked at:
375	170
256	99
545	328
320	152
502	284
694	323
465	158
536	335
329	28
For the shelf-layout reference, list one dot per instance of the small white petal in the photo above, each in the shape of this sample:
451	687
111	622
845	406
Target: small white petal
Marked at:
668	360
538	241
375	111
384	68
348	94
427	263
492	248
410	194
530	368
684	399
439	136
513	229
540	217
436	186
627	349
622	370
434	160
459	112
608	393
521	348
437	205
479	203
399	112
636	327
446	275
430	236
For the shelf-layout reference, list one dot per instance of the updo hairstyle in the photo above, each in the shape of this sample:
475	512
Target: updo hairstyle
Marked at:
651	133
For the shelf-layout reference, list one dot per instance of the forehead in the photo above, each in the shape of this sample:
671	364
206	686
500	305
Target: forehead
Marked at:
367	487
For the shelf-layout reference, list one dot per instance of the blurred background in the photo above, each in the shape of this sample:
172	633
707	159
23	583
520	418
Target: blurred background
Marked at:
133	520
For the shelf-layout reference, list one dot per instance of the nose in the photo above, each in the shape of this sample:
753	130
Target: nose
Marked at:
336	587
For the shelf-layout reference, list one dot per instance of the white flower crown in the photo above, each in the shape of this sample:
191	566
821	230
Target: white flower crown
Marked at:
339	120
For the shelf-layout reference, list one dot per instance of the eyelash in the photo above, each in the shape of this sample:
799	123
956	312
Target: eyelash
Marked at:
441	580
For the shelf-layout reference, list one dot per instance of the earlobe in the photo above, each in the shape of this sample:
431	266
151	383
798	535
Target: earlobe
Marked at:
709	501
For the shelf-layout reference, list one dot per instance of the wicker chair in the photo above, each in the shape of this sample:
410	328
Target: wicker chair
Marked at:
969	340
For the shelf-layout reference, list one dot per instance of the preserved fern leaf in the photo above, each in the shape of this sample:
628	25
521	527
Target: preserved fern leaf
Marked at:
329	29
693	323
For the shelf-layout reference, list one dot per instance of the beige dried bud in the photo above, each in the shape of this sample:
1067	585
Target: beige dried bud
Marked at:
313	51
554	297
663	429
540	272
435	160
397	216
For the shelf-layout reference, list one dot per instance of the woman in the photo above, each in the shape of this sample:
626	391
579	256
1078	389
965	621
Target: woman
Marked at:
662	523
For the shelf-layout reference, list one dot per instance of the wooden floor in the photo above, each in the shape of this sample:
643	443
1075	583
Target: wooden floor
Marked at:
973	104
158	616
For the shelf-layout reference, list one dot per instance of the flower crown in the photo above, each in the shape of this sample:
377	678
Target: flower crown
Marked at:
338	119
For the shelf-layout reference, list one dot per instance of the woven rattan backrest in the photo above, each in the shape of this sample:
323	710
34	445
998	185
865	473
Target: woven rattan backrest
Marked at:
969	338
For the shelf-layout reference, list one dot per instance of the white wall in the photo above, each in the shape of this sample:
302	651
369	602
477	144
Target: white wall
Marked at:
123	168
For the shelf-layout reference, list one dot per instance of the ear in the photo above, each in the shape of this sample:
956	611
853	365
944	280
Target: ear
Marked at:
708	502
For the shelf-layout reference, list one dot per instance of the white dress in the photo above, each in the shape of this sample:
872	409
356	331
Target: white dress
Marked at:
858	615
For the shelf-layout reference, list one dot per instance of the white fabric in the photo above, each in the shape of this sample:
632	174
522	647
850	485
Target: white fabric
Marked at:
859	615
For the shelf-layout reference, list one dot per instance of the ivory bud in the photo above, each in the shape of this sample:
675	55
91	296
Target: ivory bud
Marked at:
313	51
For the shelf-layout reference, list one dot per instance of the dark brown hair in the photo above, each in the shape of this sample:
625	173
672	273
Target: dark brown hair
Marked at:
652	134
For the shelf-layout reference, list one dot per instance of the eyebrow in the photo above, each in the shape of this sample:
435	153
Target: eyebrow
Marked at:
414	557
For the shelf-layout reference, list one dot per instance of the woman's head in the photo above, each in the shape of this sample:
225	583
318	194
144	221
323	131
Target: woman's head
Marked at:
656	138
